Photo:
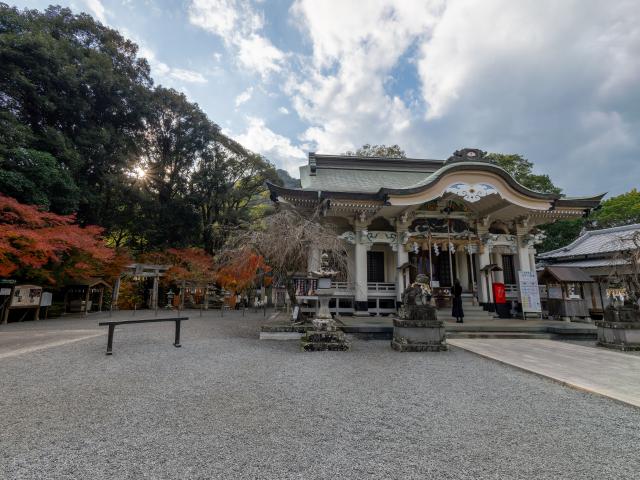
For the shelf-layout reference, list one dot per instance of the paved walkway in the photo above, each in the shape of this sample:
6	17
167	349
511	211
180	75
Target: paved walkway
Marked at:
21	341
605	372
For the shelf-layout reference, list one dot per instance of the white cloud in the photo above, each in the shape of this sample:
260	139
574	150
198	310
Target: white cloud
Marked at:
239	25
257	53
244	97
554	81
283	110
96	8
277	148
226	18
162	72
343	93
189	76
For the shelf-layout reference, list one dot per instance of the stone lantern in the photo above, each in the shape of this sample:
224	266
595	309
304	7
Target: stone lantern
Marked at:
324	335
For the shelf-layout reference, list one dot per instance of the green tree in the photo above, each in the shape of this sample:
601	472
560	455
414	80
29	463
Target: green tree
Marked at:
623	209
287	180
35	177
82	129
176	136
560	233
620	210
522	170
78	92
228	189
367	150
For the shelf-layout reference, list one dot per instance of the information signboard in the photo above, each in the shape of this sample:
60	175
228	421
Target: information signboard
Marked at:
46	299
529	292
25	296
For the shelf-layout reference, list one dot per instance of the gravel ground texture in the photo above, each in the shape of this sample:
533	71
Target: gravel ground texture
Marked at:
227	405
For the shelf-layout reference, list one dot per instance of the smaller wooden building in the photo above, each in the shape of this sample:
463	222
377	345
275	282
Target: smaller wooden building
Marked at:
564	296
85	295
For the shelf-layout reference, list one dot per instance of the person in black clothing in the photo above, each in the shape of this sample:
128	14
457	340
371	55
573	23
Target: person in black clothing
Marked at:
456	310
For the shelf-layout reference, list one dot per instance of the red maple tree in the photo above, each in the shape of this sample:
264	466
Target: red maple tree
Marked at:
191	264
239	271
47	248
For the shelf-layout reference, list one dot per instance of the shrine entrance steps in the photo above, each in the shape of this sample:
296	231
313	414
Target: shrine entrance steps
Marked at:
471	312
382	328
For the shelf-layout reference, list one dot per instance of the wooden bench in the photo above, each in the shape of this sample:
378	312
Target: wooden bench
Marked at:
113	323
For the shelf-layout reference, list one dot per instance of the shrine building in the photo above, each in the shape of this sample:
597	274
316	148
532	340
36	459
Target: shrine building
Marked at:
462	218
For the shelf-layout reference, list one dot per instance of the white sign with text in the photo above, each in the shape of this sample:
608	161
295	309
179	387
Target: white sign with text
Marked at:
529	292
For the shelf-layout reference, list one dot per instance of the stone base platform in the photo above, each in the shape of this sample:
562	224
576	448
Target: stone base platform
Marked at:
323	341
418	347
623	336
419	335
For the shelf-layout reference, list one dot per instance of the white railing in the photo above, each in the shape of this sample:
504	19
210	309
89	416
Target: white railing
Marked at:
381	287
372	288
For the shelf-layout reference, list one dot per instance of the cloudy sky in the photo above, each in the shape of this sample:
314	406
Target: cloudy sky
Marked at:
557	81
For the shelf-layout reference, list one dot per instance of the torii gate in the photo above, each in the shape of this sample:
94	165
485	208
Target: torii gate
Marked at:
140	270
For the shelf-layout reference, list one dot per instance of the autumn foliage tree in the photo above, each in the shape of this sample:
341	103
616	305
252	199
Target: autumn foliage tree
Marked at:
284	241
190	264
240	271
51	249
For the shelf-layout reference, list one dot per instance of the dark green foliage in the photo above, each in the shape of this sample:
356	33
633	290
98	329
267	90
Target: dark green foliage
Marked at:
522	170
227	187
77	89
82	129
35	177
560	234
287	180
367	150
621	210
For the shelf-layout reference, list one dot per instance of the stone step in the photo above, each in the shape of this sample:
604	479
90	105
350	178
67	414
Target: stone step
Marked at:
474	315
503	335
475	318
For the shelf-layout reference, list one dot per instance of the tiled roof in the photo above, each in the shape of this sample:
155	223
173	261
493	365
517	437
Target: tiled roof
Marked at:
565	274
597	242
365	181
374	178
593	263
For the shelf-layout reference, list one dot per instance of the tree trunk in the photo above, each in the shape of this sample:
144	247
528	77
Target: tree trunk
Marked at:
291	290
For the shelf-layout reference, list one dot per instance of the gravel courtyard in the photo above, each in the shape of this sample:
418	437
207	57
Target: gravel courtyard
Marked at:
227	405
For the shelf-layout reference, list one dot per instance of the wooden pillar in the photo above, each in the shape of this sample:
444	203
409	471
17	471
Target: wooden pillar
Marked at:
101	298
114	294
402	257
361	287
154	293
497	259
485	288
86	300
66	300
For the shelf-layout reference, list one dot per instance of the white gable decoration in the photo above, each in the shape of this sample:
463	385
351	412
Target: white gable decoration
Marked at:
471	193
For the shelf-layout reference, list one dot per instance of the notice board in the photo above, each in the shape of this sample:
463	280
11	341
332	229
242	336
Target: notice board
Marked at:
529	291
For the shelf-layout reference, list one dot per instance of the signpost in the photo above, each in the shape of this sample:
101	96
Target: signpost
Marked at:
24	297
529	293
45	301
